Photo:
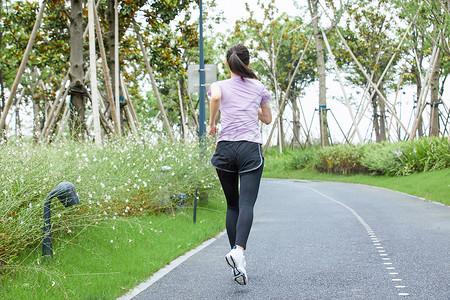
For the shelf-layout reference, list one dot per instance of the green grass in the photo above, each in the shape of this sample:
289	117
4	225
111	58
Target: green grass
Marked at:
433	186
105	260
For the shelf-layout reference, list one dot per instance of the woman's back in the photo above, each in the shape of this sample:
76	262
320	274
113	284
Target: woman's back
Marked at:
239	105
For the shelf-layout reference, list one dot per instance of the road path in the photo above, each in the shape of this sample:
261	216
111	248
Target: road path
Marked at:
322	240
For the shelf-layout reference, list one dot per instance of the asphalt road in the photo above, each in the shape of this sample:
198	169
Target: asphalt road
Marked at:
321	240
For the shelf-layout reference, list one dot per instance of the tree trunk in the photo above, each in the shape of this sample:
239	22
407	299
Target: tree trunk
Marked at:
324	136
434	103
382	120
38	115
418	81
2	94
77	116
37	118
295	124
375	120
280	134
111	41
106	72
111	46
183	119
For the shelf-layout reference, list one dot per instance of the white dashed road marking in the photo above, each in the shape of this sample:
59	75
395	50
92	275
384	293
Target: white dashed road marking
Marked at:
375	242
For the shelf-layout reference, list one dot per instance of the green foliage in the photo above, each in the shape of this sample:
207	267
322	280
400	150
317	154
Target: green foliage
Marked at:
129	176
344	159
392	159
404	158
290	159
382	158
49	60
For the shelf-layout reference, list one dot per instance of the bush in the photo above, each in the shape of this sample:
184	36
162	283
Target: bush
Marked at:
404	158
382	158
128	176
392	159
342	159
301	159
290	159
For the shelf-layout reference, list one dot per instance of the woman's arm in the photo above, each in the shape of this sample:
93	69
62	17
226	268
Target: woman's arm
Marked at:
265	114
214	104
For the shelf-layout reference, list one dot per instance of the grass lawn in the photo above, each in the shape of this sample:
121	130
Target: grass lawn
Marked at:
107	259
433	186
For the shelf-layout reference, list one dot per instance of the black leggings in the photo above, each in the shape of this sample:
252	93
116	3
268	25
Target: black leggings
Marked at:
240	203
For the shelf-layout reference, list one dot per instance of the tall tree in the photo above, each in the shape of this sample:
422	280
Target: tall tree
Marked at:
77	97
321	68
431	28
2	94
369	37
283	59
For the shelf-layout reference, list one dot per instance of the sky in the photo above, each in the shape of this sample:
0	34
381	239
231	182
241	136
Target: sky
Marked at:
235	9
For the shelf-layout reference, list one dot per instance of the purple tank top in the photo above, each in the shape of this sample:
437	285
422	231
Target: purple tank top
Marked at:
239	109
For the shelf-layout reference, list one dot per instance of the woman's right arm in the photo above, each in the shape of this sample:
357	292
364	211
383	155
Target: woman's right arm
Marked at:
265	114
214	104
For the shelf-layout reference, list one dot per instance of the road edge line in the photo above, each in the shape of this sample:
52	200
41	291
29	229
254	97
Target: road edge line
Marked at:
164	271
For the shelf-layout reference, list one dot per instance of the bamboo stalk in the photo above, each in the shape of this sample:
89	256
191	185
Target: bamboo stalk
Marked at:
421	103
280	113
193	109
93	74
375	87
106	71
338	74
395	100
116	63
130	116
130	104
56	108
183	120
155	88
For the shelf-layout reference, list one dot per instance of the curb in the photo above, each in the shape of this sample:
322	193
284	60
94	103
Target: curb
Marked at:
164	271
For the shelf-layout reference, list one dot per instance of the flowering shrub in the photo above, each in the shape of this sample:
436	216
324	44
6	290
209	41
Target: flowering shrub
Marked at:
128	176
343	159
382	158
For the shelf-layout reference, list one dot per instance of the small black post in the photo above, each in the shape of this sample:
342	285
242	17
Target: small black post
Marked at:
47	247
195	204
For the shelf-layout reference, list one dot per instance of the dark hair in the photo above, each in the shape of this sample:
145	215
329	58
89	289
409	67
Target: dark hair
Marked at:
238	59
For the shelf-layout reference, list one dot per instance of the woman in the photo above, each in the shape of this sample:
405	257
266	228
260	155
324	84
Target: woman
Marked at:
242	100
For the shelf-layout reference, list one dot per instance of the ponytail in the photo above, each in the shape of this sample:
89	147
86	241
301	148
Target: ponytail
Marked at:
238	59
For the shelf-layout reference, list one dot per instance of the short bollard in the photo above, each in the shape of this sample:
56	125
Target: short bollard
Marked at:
195	205
67	194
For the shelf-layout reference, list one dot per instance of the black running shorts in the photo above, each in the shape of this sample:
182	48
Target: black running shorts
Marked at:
240	156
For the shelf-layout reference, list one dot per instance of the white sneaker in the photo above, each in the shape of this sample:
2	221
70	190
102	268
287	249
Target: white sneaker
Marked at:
236	259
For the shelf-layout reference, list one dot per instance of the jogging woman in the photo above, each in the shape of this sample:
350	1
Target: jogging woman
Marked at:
242	100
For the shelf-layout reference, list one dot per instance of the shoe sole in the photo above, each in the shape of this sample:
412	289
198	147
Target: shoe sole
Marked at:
239	276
